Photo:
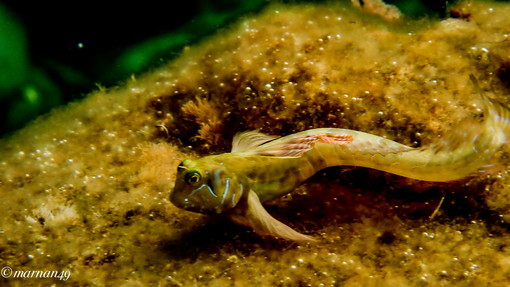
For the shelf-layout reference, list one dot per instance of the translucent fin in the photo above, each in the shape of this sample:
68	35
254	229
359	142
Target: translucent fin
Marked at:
248	140
255	216
297	146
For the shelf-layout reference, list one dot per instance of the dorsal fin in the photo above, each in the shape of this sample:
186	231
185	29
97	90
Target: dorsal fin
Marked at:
293	147
296	145
246	141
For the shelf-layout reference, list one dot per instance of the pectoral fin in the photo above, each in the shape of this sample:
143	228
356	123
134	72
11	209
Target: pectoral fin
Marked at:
251	213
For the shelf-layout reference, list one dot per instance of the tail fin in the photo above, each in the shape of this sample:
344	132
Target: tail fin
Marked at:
495	129
468	149
497	117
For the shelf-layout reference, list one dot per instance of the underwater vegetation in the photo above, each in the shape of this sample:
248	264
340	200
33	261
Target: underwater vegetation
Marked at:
85	188
45	66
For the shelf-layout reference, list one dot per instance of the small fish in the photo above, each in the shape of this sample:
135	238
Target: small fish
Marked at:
260	167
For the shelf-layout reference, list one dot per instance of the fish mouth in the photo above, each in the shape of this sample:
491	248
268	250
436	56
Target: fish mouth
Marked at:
185	203
189	204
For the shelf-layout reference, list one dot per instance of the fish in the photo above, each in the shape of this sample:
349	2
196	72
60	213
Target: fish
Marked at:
262	167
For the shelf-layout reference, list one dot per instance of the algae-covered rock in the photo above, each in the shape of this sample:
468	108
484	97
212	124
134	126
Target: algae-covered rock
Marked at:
85	189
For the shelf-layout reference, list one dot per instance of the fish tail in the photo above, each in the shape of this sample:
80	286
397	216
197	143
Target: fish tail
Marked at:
495	134
470	147
497	121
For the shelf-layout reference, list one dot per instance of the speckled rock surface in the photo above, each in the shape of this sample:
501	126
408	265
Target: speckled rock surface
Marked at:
85	189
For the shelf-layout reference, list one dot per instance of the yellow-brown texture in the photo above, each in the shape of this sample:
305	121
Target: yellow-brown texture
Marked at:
85	189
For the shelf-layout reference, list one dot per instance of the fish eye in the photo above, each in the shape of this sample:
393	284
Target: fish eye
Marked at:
192	177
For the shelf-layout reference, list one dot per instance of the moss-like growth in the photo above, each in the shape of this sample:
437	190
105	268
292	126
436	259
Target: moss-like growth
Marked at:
86	188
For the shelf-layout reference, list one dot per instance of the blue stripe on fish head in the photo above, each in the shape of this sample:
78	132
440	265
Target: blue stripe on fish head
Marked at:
205	189
228	188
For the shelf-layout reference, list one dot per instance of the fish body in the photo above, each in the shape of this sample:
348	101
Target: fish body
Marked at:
261	167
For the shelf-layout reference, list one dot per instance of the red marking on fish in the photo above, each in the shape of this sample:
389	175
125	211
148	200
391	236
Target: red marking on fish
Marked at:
335	139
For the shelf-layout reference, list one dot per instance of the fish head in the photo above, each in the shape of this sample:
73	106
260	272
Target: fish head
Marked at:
206	186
